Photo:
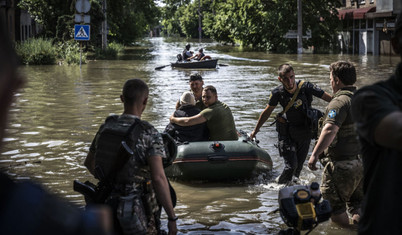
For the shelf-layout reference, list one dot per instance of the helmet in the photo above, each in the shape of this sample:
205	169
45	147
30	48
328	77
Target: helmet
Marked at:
188	46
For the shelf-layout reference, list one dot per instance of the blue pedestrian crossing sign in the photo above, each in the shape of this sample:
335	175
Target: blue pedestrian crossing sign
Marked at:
81	32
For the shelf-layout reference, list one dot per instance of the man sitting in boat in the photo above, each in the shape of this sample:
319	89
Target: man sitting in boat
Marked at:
187	133
200	56
187	54
217	115
196	87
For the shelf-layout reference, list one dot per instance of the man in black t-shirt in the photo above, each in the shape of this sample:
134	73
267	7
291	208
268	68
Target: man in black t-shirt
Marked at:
377	111
294	143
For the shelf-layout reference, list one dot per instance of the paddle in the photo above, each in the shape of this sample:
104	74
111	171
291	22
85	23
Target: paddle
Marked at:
161	67
223	65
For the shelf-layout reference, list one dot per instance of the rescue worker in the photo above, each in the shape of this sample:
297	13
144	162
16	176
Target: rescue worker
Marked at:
217	115
196	86
294	136
338	146
377	111
142	176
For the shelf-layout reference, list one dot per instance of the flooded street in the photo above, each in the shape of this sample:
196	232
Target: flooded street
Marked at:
60	109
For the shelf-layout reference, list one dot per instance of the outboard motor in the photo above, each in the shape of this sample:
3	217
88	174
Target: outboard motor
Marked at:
302	208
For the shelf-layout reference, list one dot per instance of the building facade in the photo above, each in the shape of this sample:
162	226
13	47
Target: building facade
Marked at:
367	26
19	23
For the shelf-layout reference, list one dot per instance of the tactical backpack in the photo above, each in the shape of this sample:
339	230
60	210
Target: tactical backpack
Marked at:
112	150
112	153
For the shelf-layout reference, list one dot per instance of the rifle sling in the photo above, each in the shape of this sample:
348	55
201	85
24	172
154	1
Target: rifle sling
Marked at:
293	98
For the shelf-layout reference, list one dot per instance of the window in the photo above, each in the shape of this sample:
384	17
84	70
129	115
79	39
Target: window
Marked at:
362	2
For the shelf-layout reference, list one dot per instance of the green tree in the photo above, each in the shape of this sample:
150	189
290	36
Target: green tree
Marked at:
47	13
129	20
260	24
171	14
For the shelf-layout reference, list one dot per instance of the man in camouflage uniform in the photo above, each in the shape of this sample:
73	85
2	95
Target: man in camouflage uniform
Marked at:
142	177
342	179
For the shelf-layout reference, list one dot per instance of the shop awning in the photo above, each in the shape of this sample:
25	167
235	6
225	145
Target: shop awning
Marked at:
357	13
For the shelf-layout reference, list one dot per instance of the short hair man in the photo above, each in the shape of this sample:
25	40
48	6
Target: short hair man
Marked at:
377	111
217	115
196	86
137	171
342	179
294	140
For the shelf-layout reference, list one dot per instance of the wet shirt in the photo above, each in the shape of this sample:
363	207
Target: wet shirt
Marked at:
338	112
220	122
382	166
296	115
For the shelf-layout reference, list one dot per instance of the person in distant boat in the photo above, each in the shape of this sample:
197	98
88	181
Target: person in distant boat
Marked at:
187	54
217	115
294	131
200	56
187	133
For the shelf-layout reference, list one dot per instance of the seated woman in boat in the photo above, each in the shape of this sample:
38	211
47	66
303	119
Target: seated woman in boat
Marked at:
187	133
200	56
217	116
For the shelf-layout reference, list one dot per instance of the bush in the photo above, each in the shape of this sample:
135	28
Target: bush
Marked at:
69	51
36	51
113	50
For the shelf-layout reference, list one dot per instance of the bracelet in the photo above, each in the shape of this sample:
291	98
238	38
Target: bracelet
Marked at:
173	219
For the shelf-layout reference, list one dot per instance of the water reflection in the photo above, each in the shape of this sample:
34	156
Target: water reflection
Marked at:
60	109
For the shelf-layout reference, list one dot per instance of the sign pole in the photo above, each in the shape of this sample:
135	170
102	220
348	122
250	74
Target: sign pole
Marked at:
80	54
299	28
199	21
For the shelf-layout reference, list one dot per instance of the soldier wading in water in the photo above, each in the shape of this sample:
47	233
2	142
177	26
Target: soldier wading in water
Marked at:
293	125
142	176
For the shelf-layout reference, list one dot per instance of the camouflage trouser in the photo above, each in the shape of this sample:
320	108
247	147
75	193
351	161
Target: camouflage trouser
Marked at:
342	185
136	213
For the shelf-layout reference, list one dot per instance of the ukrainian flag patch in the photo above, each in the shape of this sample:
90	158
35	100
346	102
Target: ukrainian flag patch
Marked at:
332	113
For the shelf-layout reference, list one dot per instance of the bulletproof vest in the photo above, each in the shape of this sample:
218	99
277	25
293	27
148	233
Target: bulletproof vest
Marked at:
345	141
109	148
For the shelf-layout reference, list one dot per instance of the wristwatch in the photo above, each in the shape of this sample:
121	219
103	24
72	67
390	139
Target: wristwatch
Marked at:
173	219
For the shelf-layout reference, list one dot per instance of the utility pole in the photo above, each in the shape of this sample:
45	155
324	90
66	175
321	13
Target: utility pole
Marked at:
104	25
199	20
299	28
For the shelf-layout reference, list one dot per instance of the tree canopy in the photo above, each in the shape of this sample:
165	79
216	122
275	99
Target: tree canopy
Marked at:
260	24
128	20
